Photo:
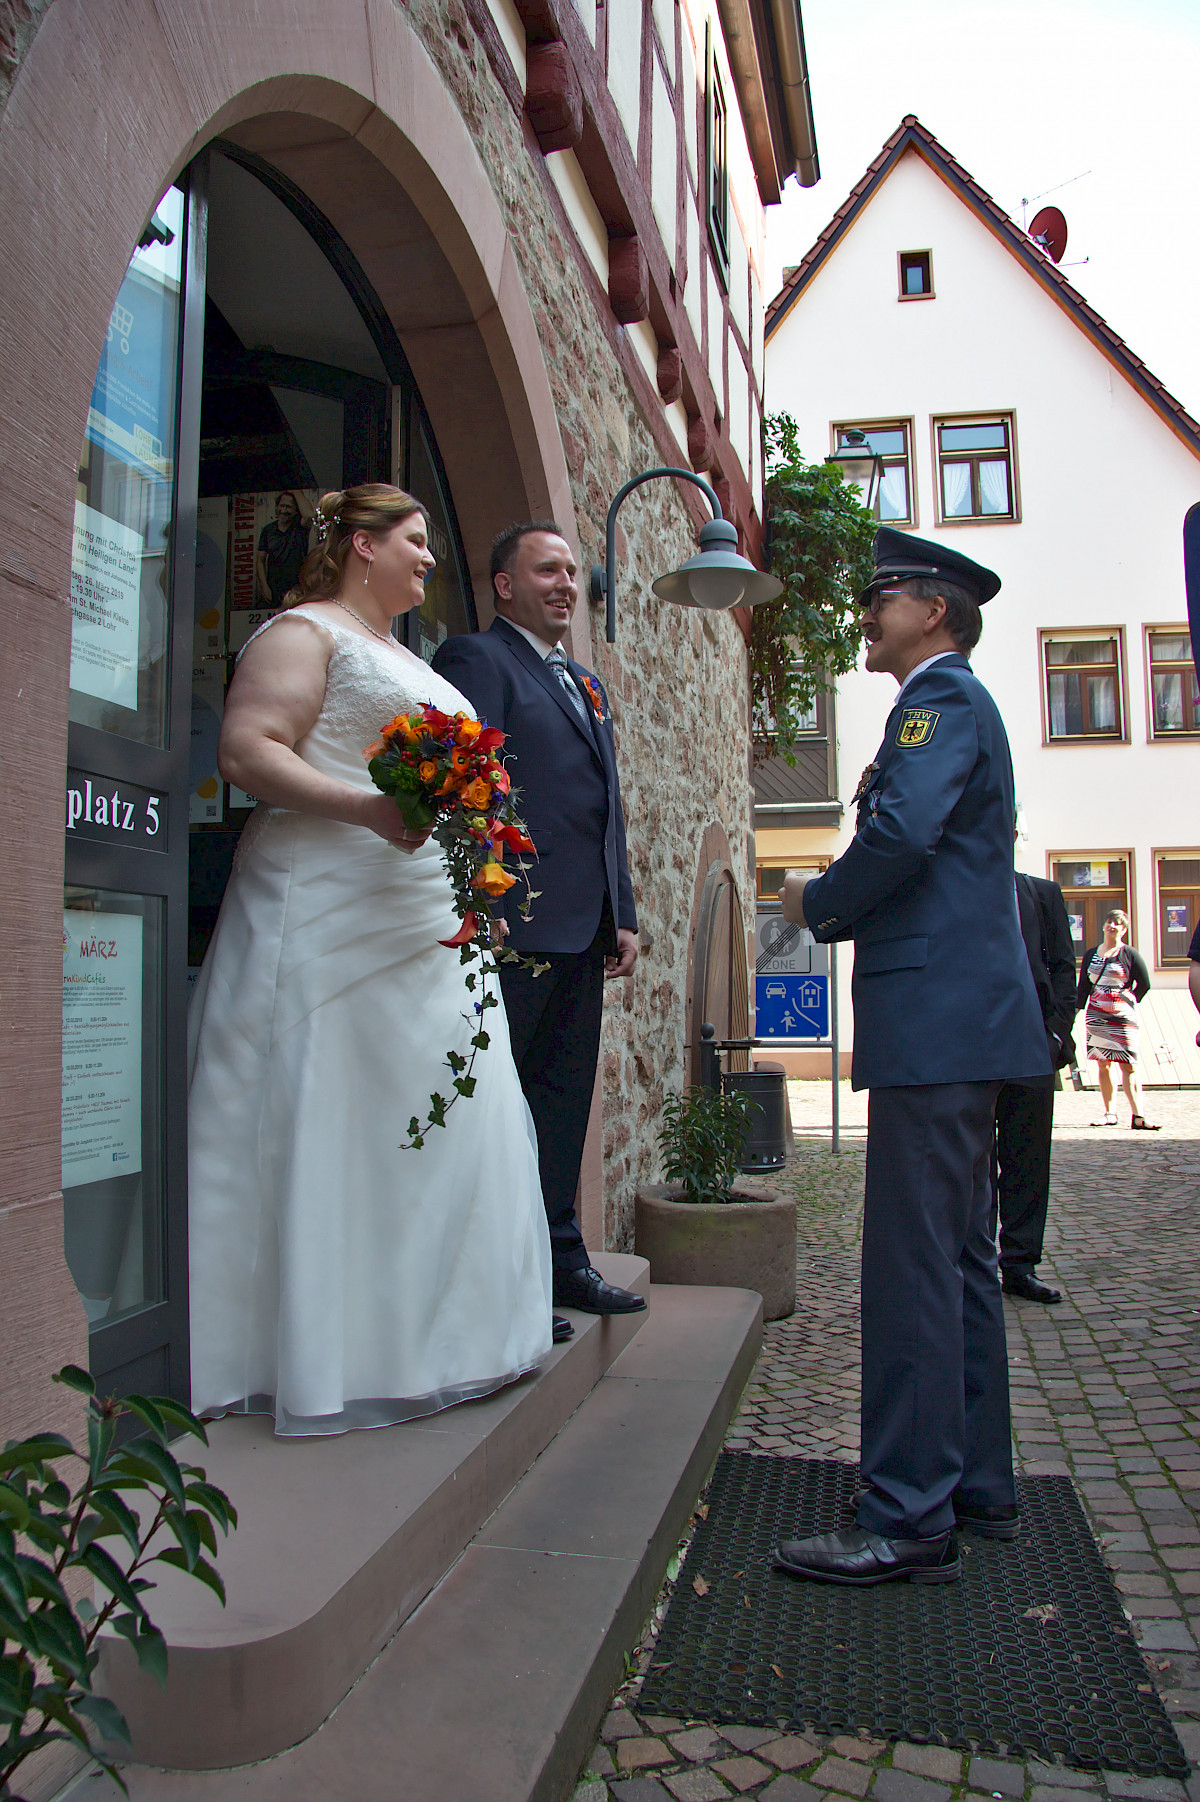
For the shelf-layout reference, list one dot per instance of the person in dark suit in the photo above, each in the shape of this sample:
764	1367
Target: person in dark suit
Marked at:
562	757
1025	1109
926	883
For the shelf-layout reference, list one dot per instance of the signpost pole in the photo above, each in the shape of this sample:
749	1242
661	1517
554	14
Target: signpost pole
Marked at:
835	1134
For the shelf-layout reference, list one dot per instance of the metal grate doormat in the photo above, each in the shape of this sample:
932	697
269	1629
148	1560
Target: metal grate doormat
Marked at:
1028	1654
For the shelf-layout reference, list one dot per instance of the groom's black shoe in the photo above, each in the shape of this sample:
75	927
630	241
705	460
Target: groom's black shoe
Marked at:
1028	1287
560	1330
857	1558
587	1290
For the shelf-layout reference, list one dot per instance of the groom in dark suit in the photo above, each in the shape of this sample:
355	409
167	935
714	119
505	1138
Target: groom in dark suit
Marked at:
562	758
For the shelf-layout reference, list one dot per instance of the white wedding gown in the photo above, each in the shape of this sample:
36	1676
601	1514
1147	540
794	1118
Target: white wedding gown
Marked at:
337	1280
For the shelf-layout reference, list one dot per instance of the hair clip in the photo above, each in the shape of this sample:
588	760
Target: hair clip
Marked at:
324	525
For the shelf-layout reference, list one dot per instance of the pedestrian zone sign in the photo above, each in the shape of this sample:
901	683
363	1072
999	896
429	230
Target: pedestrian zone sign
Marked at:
791	1007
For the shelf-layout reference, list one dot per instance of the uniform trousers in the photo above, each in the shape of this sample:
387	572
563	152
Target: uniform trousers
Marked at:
935	1415
1021	1172
554	1024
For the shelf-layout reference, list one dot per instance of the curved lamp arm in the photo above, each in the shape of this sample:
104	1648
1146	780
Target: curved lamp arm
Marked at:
603	584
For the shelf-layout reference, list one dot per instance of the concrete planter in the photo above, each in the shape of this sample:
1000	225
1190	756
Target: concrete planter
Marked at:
749	1243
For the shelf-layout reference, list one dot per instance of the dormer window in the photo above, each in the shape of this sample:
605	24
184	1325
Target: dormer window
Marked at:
916	275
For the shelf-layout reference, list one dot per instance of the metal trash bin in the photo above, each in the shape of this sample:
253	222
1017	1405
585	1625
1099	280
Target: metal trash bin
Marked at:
766	1141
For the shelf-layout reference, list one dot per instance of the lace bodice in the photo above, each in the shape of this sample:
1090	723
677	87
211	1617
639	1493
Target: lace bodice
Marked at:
367	685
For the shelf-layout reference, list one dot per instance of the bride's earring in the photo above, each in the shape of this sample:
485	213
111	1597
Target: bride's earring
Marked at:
367	577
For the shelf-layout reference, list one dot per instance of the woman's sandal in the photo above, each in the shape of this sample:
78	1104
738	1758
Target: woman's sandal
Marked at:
1110	1119
1141	1125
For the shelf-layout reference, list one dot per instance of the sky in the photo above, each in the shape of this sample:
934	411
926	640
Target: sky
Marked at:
1027	96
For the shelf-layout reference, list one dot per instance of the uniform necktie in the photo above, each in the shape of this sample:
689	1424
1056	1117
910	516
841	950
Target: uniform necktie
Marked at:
556	661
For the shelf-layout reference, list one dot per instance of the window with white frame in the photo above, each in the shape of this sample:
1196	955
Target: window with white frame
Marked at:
976	468
890	439
1083	677
1174	690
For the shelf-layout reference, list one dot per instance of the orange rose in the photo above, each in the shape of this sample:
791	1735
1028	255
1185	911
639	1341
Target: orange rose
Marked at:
468	730
493	880
427	771
477	793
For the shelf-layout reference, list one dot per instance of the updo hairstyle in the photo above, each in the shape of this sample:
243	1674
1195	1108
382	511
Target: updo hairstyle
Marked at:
371	507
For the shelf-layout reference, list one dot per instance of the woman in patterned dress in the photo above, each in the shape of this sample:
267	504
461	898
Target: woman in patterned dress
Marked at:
1112	980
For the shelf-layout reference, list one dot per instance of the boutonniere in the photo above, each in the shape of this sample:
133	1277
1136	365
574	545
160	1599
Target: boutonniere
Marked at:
595	696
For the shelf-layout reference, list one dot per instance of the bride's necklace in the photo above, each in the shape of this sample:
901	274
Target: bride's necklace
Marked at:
383	637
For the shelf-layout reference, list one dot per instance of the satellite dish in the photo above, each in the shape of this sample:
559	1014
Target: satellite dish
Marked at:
1049	229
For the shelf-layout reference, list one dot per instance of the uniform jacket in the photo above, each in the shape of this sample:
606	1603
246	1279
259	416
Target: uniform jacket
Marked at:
926	889
566	771
1051	952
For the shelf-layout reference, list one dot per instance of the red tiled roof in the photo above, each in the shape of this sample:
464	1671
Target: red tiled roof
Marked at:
911	135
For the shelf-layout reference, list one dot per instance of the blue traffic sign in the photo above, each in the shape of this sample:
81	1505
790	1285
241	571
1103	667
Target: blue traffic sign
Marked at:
791	1007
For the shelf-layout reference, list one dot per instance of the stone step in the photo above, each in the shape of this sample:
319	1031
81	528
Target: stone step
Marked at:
495	1687
339	1539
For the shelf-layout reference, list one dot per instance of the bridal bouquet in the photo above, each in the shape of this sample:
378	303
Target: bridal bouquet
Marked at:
444	772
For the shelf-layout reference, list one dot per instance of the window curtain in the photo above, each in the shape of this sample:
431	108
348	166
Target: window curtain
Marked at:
993	488
893	493
956	490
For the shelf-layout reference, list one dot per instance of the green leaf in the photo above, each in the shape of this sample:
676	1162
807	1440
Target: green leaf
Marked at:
145	1409
465	1086
116	1517
151	1650
218	1504
74	1378
199	1568
14	1506
181	1417
188	1537
28	1454
105	1715
150	1463
108	1572
58	1639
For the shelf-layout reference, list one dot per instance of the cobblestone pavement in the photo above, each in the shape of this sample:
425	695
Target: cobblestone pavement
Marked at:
1105	1388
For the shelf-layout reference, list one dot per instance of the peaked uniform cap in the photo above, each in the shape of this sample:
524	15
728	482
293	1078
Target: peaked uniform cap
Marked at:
899	557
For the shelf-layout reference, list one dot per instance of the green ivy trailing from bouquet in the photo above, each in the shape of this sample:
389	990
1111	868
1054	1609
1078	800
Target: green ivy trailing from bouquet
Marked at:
820	538
51	1529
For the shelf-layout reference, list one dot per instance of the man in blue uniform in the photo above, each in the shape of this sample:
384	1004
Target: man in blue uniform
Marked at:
945	1011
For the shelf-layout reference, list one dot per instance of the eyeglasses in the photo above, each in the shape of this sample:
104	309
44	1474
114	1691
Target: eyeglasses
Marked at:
870	605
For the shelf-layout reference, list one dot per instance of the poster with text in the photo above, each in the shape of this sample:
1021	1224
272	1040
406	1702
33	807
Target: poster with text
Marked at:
102	1046
270	535
106	574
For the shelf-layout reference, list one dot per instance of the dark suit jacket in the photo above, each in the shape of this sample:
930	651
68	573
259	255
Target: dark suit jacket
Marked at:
1046	930
566	771
942	986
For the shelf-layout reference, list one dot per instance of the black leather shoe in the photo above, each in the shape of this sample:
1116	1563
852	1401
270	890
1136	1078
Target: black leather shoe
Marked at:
857	1558
561	1330
1027	1286
587	1290
999	1521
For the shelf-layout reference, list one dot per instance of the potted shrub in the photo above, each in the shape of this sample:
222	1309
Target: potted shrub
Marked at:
707	1224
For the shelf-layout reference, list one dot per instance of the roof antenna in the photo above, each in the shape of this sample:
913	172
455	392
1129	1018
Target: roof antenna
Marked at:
1028	200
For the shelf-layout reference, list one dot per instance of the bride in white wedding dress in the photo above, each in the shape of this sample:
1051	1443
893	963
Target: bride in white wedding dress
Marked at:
337	1280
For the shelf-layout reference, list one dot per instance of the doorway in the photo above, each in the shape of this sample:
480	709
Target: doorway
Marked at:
249	368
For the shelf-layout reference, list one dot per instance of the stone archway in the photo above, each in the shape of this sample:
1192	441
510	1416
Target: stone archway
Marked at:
113	98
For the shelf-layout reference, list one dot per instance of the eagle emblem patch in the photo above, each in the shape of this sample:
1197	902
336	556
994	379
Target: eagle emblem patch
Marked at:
916	726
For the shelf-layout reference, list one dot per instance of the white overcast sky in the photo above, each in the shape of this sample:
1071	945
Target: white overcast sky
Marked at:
1026	94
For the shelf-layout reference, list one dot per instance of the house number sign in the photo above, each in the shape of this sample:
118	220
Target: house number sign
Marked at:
115	813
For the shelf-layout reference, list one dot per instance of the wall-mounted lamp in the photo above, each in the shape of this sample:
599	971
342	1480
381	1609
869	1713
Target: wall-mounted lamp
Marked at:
860	464
716	577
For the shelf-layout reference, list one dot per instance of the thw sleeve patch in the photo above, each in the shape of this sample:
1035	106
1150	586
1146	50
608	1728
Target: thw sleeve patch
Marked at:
917	726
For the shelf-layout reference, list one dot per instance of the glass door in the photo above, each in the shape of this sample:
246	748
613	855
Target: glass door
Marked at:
125	894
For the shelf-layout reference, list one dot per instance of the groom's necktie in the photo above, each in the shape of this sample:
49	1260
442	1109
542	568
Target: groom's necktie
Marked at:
556	661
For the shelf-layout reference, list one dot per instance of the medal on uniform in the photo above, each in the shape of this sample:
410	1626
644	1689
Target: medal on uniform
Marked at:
864	783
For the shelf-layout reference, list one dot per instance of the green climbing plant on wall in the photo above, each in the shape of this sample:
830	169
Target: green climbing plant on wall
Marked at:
820	538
